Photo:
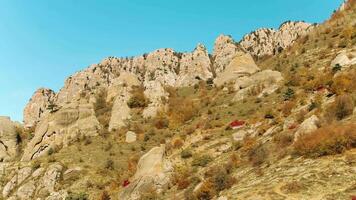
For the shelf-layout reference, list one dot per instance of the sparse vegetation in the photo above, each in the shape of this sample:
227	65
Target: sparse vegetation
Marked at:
328	140
137	99
201	161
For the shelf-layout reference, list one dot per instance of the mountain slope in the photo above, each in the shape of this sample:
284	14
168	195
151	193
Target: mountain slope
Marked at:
169	125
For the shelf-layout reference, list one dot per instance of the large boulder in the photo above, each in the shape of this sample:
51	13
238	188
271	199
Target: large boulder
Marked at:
242	65
8	139
153	172
343	59
130	137
309	125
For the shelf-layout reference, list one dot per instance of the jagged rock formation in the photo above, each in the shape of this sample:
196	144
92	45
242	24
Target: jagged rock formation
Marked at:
70	113
8	139
225	49
72	121
153	172
267	41
38	106
28	182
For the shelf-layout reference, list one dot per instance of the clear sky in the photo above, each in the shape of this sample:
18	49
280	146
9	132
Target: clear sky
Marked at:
42	42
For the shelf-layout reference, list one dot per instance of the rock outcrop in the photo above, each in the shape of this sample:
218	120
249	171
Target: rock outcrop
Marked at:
309	125
344	59
26	183
153	172
258	84
120	93
241	65
267	41
39	105
225	49
71	113
72	121
8	139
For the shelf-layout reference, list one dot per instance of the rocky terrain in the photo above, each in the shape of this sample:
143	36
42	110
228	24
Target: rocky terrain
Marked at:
269	117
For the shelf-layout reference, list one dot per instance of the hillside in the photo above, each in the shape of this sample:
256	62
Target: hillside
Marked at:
269	117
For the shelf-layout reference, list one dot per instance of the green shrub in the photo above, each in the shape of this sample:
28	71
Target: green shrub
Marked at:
201	161
77	196
289	94
186	153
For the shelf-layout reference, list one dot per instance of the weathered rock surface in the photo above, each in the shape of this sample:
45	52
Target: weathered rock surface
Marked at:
58	129
38	106
343	59
130	137
120	92
267	41
264	82
153	171
26	184
239	135
225	49
8	139
16	180
241	65
309	125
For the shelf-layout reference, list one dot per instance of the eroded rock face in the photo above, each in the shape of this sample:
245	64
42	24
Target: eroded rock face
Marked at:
194	66
38	106
27	184
8	139
258	84
120	92
267	41
344	59
153	172
241	65
73	120
225	49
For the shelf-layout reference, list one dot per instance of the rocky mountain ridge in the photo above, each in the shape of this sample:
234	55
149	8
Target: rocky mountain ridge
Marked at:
175	125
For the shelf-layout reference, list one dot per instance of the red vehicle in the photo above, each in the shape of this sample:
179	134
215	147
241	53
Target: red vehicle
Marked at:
237	124
126	183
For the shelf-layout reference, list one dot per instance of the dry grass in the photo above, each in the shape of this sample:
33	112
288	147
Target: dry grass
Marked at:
344	83
342	107
328	140
287	108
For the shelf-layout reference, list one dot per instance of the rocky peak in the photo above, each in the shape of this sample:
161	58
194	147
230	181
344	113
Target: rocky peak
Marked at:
268	41
38	106
225	49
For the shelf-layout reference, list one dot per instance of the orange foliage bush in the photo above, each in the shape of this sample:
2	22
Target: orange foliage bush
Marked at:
287	108
178	143
331	139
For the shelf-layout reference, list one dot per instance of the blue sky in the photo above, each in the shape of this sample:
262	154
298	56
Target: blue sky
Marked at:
42	41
